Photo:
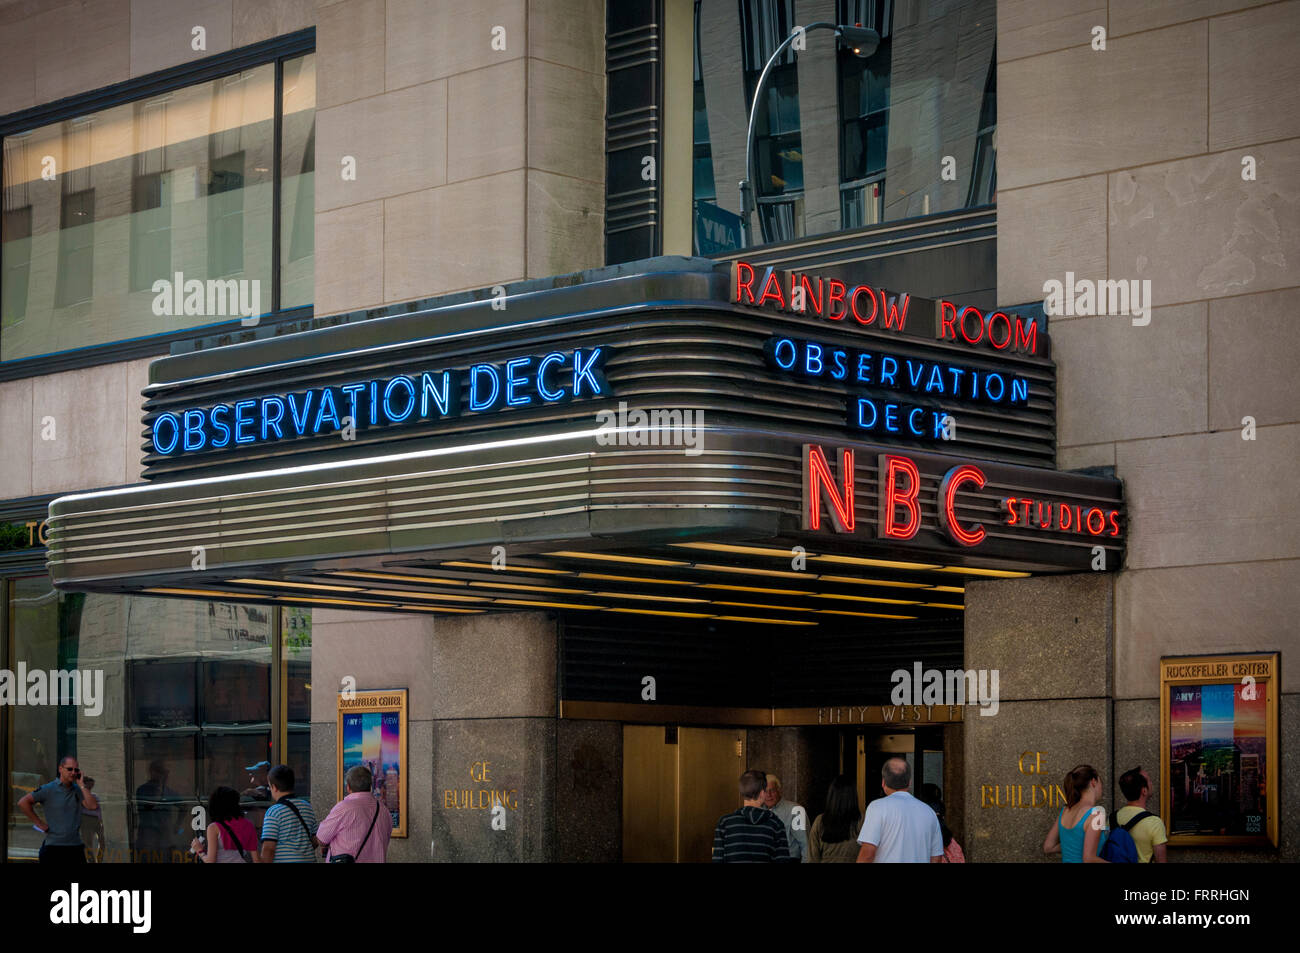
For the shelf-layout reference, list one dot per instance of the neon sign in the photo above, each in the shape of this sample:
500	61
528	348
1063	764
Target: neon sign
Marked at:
934	380
1062	517
863	306
832	300
899	494
554	378
868	368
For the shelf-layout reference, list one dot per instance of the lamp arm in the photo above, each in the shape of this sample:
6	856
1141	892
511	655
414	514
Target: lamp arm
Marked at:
753	114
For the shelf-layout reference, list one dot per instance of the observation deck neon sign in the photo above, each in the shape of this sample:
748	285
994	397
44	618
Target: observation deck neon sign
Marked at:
554	378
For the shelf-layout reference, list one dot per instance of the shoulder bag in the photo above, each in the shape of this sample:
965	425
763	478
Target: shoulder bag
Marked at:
352	858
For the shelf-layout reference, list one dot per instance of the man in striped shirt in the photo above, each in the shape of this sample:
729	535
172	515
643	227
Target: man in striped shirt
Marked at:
752	834
289	827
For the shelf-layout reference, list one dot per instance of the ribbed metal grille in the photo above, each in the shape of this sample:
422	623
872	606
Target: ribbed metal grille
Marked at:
732	665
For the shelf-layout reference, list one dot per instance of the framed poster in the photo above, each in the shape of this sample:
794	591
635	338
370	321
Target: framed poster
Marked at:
1218	735
372	731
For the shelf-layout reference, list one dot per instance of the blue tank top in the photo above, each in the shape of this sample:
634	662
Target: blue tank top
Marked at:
1072	837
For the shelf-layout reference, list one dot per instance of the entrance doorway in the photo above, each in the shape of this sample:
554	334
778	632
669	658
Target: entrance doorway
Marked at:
860	752
677	781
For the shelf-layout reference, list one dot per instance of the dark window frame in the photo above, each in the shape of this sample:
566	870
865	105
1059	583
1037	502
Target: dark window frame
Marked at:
276	51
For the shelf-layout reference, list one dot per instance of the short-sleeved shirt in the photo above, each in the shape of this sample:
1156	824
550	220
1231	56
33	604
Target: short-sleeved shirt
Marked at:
358	825
1147	833
292	845
62	813
903	830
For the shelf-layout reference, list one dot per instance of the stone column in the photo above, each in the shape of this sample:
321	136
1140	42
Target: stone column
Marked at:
724	97
819	121
379	650
1049	639
588	791
785	752
493	739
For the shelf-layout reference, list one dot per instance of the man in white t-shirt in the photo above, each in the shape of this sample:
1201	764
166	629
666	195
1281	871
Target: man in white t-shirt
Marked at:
898	828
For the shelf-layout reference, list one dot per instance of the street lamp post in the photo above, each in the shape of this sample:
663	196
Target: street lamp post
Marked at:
862	40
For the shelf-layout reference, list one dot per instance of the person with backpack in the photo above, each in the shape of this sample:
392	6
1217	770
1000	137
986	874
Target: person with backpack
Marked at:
230	837
1080	829
1145	829
289	827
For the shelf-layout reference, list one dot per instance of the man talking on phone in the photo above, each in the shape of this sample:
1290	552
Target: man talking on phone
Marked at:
63	800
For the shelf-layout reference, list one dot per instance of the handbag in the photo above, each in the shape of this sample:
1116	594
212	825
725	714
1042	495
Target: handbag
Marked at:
350	858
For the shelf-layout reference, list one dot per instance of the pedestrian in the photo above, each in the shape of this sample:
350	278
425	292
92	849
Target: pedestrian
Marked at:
1080	829
357	830
751	833
63	800
793	816
899	829
932	795
289	827
1146	829
831	840
230	837
92	825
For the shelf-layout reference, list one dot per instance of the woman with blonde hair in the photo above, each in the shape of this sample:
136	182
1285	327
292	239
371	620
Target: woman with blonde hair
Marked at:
1080	829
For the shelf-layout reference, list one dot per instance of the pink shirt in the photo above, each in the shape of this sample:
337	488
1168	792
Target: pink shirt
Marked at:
347	824
244	832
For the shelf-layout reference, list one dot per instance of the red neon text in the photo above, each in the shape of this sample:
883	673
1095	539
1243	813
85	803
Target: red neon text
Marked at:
892	497
1062	517
948	503
818	480
999	330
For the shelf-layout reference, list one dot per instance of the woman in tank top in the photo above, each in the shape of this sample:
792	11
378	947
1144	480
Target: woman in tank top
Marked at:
1080	829
230	835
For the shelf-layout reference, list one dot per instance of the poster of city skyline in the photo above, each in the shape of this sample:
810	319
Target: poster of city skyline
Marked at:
1217	767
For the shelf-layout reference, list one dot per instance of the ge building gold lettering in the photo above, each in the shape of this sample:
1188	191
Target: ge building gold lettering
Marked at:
1024	795
482	798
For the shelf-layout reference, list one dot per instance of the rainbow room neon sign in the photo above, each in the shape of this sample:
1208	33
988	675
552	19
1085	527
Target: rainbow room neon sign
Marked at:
526	381
867	307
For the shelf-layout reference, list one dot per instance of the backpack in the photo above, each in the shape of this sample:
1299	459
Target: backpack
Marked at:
1120	847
